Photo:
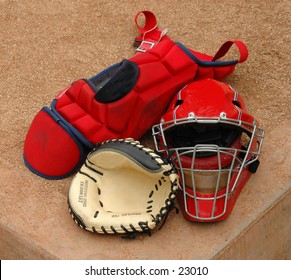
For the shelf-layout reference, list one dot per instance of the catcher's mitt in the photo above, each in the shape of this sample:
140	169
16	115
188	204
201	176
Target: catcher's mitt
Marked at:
123	187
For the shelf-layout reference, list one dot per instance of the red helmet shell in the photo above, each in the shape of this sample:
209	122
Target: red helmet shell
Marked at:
212	141
206	98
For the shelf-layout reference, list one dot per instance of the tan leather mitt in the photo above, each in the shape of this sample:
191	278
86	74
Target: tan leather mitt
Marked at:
123	187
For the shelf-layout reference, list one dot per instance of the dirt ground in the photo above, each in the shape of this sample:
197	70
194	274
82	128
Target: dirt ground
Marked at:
45	45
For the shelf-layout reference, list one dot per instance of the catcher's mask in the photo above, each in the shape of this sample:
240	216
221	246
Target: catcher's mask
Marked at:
214	143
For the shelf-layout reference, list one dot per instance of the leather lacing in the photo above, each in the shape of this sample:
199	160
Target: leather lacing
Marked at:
164	211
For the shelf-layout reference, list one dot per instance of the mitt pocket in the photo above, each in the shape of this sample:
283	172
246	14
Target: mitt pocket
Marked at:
51	149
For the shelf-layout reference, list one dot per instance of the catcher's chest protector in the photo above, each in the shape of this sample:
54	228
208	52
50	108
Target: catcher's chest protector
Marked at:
124	100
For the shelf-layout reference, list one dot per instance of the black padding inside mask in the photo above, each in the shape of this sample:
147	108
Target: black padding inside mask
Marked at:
190	135
115	82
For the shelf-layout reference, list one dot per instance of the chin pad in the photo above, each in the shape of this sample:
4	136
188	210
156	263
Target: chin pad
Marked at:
51	149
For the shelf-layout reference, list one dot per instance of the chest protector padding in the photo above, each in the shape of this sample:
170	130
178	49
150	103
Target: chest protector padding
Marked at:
124	100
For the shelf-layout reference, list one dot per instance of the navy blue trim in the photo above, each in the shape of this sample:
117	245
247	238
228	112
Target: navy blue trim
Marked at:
58	118
206	63
72	172
116	65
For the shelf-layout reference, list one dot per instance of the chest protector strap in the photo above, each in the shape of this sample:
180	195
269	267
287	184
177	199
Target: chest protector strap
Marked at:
122	101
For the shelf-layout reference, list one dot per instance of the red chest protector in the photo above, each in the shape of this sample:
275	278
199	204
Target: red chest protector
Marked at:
124	100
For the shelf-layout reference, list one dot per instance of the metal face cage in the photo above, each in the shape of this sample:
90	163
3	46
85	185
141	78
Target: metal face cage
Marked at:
211	175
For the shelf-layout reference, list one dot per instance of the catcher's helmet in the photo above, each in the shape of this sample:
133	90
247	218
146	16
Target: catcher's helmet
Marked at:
214	143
